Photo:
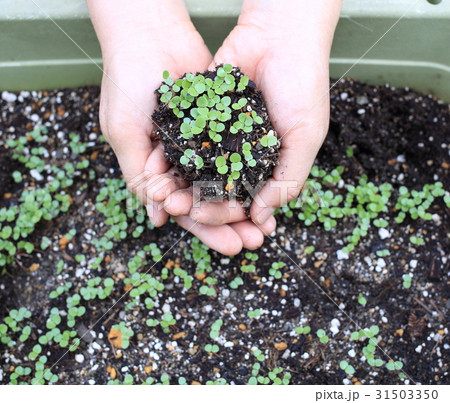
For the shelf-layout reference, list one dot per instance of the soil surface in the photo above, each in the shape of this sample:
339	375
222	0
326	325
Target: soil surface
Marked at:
395	136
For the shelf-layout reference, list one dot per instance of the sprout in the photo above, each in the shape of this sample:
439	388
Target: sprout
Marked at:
268	140
243	82
416	240
215	329
198	162
199	87
200	122
221	164
302	330
17	176
394	366
236	127
345	366
383	252
221	72
228	68
239	104
237	166
225	101
185	104
362	300
257	118
246	148
212	115
186	157
235	175
254	313
186	130
202	101
234	284
407	280
322	336
214	136
212	348
224	117
217	127
259	354
275	269
164	88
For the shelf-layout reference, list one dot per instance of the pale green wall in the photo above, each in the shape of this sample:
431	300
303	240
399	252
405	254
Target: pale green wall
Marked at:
35	54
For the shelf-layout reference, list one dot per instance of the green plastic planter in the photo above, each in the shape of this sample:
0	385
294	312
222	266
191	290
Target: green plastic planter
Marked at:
36	54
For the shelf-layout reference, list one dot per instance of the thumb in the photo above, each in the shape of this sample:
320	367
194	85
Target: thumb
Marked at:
297	156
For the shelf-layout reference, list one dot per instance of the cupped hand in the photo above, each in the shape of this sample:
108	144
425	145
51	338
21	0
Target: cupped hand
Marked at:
137	47
284	47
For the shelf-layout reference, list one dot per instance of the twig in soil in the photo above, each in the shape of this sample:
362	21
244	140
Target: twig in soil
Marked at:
110	317
20	265
423	306
441	316
112	347
312	360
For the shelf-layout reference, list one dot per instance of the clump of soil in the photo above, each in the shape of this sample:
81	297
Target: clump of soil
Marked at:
215	127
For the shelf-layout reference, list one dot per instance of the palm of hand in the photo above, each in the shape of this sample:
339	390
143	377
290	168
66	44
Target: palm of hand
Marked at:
128	100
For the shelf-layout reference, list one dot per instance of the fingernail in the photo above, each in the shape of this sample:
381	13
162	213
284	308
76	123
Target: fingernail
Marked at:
151	214
264	215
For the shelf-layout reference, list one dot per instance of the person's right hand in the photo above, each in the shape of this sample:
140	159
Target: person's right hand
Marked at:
139	41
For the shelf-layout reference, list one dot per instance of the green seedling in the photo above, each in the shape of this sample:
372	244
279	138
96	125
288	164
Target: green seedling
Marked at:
362	300
322	336
345	366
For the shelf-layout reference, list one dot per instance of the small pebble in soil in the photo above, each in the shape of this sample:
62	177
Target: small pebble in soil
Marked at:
8	96
383	233
341	255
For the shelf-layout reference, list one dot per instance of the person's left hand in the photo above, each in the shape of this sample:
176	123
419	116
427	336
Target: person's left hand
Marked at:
288	60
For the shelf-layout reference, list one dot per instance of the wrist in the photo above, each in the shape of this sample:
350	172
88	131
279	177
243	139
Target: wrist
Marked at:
136	24
294	20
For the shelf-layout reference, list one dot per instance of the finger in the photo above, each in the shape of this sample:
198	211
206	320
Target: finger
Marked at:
221	238
132	150
179	202
156	162
288	178
154	188
228	53
161	179
218	213
157	182
269	226
156	214
253	235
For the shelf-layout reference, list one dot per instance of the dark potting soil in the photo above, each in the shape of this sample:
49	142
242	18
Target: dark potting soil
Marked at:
168	129
397	136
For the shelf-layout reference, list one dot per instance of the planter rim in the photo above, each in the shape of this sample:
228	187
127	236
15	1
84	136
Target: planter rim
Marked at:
73	9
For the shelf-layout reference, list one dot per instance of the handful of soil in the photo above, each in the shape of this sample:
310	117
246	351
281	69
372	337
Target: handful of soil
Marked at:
215	128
